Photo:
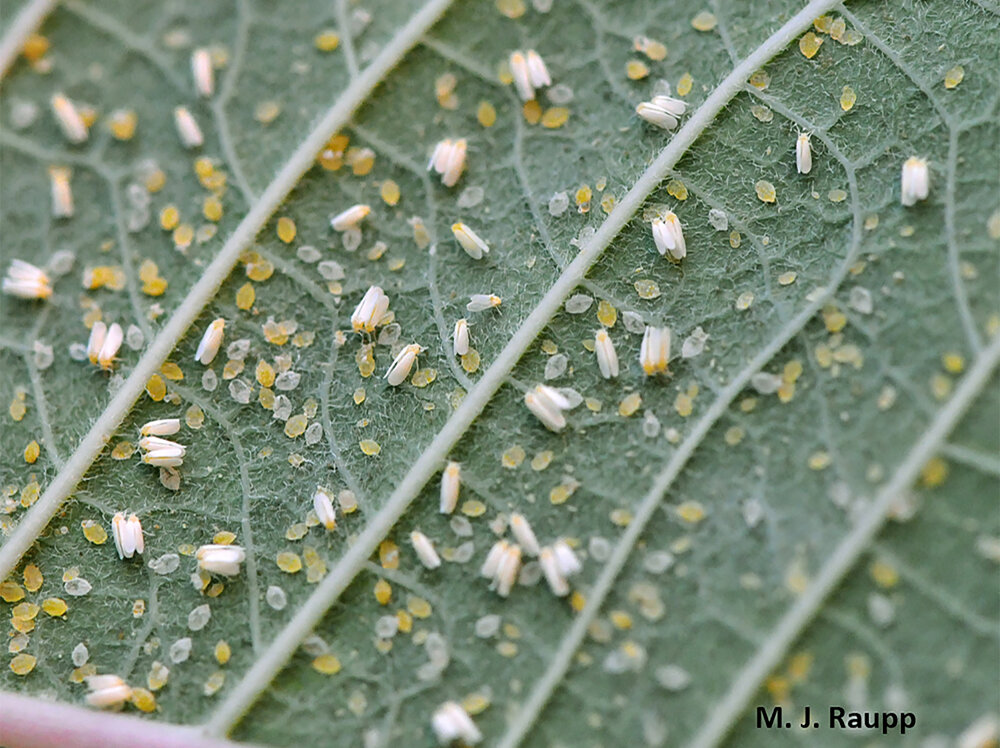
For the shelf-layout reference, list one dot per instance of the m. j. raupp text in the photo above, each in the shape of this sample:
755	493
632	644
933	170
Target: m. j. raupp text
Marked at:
839	718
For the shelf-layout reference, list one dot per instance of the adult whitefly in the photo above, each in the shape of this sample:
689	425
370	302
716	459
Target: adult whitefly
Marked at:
211	340
803	153
607	358
400	368
480	302
470	241
914	181
451	479
460	337
187	128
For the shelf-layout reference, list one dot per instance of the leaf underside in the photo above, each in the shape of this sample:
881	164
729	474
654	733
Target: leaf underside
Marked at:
780	482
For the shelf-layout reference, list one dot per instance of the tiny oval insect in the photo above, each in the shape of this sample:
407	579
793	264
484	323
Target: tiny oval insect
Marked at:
524	535
202	72
70	122
803	153
480	302
470	241
607	357
451	480
553	576
187	128
492	562
370	311
107	691
461	337
507	570
210	342
323	506
451	722
350	218
522	76
425	550
62	192
400	368
98	331
566	559
914	181
110	347
537	70
161	427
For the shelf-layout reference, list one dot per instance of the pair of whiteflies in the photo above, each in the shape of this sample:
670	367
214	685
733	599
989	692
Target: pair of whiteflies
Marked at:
503	570
662	110
370	311
654	352
448	160
914	178
26	281
529	72
158	451
127	533
107	691
104	343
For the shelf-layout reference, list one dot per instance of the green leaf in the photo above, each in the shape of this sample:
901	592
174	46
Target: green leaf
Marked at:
833	542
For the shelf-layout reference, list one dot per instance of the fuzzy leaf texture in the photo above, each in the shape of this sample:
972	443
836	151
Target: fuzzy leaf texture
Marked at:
804	512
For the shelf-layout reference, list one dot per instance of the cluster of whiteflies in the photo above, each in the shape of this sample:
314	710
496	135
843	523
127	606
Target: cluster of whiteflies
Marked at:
75	130
372	311
549	405
503	562
158	451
